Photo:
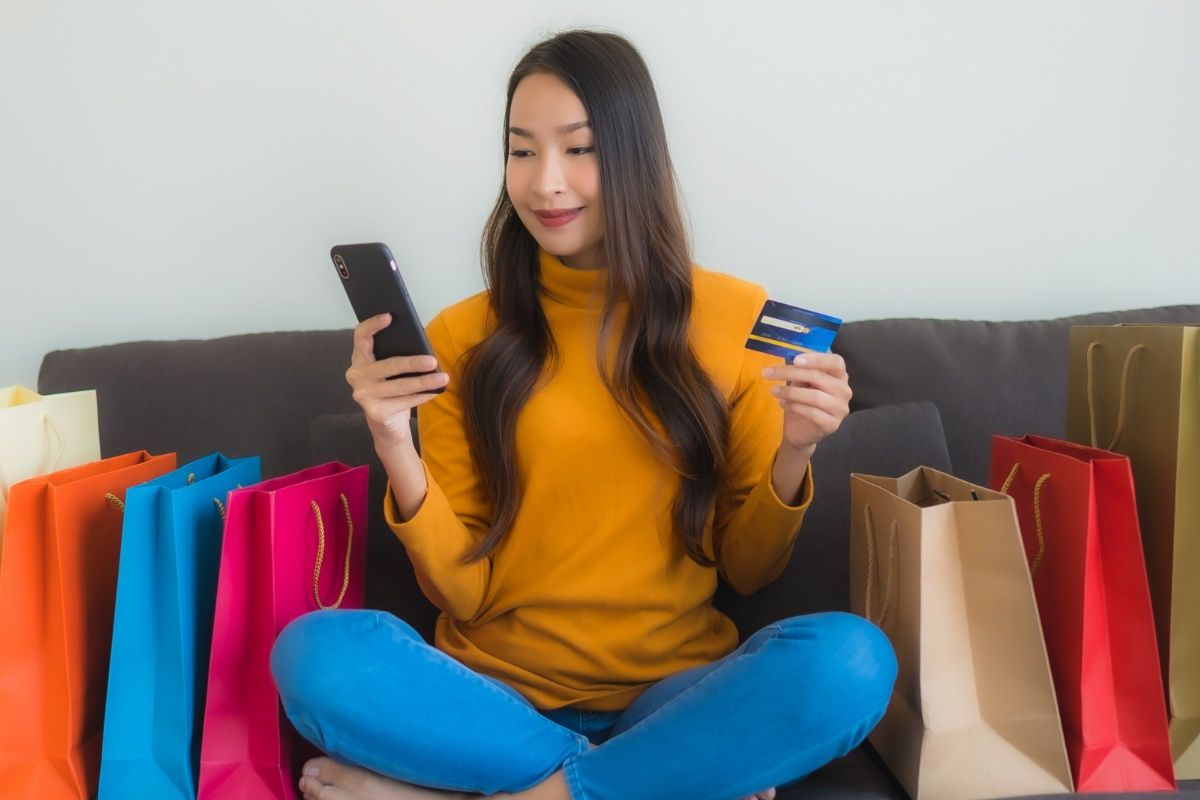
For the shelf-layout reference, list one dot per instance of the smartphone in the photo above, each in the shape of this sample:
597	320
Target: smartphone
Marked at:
372	282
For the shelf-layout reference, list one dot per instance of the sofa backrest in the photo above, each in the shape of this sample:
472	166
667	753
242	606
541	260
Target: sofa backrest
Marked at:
256	394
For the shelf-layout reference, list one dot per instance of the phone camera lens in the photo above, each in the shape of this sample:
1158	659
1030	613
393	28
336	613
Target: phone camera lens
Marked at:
341	267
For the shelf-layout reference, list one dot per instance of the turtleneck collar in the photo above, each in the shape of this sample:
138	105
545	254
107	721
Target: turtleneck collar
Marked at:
582	288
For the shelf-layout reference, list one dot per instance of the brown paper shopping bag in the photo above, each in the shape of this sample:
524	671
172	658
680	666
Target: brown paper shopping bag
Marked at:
1135	389
938	564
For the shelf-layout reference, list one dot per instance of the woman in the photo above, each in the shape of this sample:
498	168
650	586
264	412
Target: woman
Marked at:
604	447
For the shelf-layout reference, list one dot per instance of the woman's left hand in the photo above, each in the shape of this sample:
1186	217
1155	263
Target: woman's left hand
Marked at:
815	397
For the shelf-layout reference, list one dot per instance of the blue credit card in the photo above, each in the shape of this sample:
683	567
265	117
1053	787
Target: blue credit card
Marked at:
787	331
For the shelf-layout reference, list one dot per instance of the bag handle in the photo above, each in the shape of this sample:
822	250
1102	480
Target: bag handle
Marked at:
119	504
191	478
1091	392
873	569
62	449
321	553
1037	514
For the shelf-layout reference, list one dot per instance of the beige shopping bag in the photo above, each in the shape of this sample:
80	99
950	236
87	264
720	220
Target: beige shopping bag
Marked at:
939	565
1135	389
41	434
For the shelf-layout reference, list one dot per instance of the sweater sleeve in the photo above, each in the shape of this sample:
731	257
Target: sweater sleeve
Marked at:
455	513
754	529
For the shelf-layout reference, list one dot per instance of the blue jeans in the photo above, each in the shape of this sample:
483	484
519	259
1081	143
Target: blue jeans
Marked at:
365	688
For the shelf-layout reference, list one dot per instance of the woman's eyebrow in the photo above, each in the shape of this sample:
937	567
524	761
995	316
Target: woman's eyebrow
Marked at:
574	126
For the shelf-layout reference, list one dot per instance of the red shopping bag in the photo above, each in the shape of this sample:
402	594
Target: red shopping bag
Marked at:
292	545
1079	524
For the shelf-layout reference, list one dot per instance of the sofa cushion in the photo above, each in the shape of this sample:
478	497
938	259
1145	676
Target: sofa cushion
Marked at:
880	441
984	377
254	394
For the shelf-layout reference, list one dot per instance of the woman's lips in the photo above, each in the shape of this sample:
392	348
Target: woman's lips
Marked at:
556	218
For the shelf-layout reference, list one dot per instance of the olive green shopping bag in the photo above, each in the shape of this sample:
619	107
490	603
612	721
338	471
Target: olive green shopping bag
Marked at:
1135	390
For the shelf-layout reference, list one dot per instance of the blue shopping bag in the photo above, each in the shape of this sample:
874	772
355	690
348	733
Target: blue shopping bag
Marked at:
162	629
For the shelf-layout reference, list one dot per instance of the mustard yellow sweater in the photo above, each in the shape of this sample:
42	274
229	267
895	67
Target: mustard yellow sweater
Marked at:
590	599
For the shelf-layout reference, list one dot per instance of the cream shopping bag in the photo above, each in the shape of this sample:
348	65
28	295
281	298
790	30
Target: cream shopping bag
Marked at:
40	434
1135	390
939	565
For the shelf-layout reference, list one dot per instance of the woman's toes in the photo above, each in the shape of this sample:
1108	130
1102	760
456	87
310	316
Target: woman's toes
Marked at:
336	781
321	769
312	785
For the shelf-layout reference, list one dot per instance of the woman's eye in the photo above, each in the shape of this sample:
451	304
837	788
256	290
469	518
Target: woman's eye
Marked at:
579	151
519	153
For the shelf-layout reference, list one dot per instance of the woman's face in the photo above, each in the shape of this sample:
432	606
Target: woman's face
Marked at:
552	174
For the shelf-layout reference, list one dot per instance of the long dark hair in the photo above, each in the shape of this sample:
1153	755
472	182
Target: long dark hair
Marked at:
655	377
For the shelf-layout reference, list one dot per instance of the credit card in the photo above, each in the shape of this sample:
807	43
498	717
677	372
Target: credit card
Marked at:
787	331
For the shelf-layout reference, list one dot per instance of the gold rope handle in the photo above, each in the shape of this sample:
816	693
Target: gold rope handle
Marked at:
221	506
873	569
1037	514
1091	392
321	553
115	502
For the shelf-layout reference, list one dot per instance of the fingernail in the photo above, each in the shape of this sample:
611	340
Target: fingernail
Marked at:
311	771
800	361
775	390
769	372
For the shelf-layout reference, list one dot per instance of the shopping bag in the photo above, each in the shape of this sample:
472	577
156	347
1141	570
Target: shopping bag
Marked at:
292	545
937	563
1079	522
162	629
57	587
1135	389
41	434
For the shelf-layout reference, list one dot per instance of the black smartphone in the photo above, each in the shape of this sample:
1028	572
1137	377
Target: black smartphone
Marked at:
372	282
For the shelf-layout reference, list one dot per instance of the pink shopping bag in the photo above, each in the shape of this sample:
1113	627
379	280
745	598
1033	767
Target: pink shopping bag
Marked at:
292	545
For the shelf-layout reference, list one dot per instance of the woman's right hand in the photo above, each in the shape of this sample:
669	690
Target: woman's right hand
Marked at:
388	404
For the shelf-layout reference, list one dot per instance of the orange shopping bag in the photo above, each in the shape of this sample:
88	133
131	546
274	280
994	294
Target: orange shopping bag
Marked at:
58	577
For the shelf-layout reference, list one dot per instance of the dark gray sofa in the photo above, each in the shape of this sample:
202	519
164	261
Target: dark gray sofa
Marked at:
926	392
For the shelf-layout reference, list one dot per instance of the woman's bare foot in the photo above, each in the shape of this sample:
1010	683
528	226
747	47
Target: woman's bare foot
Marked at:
326	779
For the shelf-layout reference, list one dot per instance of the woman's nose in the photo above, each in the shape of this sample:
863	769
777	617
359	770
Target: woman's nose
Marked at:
550	180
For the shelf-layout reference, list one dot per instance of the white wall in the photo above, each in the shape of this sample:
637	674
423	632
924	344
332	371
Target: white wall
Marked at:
180	169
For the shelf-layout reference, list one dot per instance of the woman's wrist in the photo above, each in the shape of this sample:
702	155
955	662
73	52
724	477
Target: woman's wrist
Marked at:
788	471
406	475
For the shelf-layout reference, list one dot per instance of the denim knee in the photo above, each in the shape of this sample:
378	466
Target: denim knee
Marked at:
852	660
310	655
